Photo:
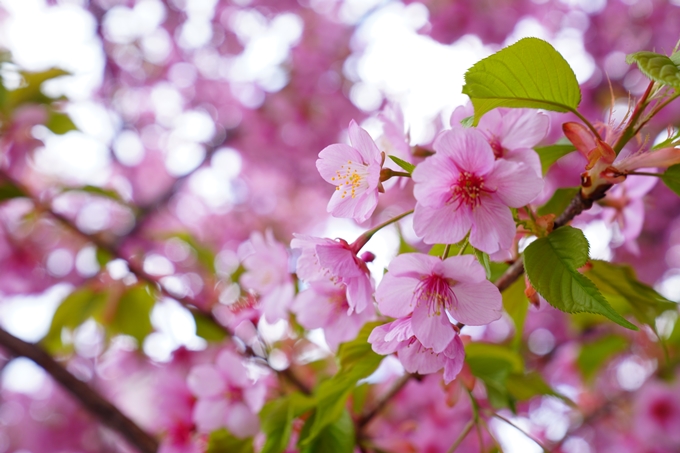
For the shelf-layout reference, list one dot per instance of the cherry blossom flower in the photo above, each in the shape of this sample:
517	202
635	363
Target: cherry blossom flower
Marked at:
398	336
324	305
324	259
512	133
604	166
355	171
463	188
267	273
227	397
431	289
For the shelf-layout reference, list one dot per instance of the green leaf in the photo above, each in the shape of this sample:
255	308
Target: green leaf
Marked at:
208	329
559	201
671	177
657	67
403	164
552	266
277	417
59	123
526	386
337	437
222	441
357	361
9	191
483	259
95	190
133	311
467	122
495	351
516	304
642	300
74	310
594	355
30	91
550	154
493	371
529	73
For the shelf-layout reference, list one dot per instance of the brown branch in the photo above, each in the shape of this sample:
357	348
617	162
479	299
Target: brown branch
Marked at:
107	413
188	302
382	402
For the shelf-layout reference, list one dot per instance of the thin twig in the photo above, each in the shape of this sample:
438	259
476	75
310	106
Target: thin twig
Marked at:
107	413
188	302
382	402
500	417
461	437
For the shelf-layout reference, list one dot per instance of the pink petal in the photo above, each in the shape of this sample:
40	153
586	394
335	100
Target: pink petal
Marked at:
312	310
523	128
433	179
255	395
434	331
418	359
464	268
231	366
241	422
662	158
209	415
455	357
527	157
359	293
460	113
493	227
390	337
332	158
468	148
478	303
516	184
338	260
395	294
205	381
413	265
276	303
444	225
363	142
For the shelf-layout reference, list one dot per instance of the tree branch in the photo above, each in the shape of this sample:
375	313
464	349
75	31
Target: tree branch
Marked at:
107	413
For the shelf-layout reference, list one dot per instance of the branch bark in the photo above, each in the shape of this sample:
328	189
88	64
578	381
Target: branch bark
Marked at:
107	413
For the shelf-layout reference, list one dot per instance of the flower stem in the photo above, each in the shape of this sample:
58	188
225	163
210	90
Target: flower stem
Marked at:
644	173
364	238
461	437
500	417
630	130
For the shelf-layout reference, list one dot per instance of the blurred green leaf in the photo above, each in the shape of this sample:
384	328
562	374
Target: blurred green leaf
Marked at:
9	191
595	355
357	361
337	437
277	417
552	265
559	201
132	314
551	154
59	123
74	310
94	190
222	441
642	300
29	92
208	329
671	177
495	351
516	304
529	73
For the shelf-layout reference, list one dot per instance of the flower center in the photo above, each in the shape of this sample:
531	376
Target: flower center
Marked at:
468	190
437	293
498	150
351	177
